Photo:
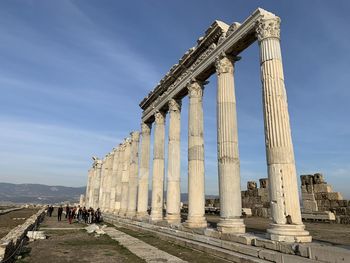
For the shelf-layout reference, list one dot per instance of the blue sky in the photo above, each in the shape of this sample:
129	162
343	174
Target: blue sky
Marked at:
72	74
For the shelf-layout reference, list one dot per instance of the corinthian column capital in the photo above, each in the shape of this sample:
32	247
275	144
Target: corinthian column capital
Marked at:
224	64
268	28
135	136
174	105
195	89
145	128
159	117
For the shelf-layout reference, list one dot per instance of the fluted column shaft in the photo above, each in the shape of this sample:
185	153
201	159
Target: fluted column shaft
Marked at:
118	188
285	207
196	179
114	181
134	171
125	179
158	168
103	183
142	201
97	183
88	187
228	157
109	181
173	174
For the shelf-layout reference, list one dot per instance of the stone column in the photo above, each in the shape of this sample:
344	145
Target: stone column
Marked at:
196	180
91	187
228	157
142	201
118	188
109	168
88	186
287	224
103	176
114	180
158	168
173	176
134	171
97	184
125	179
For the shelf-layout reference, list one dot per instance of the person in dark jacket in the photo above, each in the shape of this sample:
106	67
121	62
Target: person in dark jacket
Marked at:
59	213
67	210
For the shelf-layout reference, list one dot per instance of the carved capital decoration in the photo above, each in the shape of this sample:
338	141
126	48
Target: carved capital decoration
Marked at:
224	64
159	117
268	28
135	136
145	128
195	89
174	105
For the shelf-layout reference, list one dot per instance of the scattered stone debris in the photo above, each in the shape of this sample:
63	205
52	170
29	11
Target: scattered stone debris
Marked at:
95	228
34	235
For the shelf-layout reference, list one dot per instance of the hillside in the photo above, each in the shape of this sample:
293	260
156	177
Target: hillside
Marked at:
38	193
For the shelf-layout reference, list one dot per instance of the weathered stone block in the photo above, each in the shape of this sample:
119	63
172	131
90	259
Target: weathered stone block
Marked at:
264	183
328	196
343	203
270	255
340	211
251	185
310	206
322	188
266	243
329	254
308	196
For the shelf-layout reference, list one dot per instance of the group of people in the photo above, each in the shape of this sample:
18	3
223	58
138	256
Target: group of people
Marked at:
77	213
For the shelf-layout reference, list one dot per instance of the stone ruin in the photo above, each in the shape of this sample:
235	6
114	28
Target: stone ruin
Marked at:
257	199
319	202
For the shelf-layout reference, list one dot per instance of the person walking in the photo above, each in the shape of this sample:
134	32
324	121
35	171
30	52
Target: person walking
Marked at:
50	210
67	210
59	213
70	215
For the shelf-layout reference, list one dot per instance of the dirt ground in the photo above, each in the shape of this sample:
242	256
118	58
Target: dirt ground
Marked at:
335	234
73	245
7	221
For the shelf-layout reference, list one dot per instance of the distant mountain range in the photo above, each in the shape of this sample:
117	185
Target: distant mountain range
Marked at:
38	193
46	194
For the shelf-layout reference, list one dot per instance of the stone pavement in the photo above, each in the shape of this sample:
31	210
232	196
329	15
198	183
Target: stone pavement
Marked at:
140	248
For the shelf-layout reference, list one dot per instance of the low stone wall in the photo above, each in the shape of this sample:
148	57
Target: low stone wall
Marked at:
5	211
13	240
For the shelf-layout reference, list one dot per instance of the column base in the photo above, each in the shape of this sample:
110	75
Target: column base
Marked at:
143	216
130	214
289	233
156	216
122	213
196	222
174	219
231	225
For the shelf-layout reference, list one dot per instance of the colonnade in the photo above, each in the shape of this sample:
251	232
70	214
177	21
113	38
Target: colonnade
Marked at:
122	185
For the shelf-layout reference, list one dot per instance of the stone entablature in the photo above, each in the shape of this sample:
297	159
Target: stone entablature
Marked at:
199	62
